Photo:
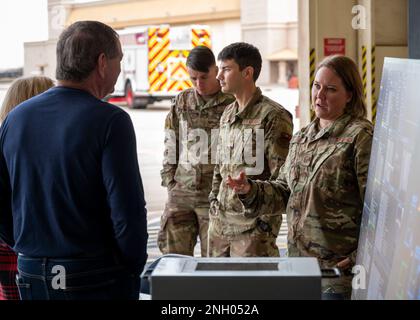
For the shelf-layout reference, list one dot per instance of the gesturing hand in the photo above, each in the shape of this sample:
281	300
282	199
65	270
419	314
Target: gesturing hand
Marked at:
344	264
239	185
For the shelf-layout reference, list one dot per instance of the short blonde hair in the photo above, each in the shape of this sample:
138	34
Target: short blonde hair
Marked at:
22	89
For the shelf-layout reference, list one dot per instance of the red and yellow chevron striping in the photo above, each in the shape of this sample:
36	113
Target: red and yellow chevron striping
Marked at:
200	37
178	74
167	70
158	54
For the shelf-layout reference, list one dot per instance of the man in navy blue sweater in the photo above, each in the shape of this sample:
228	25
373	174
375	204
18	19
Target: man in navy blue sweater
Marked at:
71	196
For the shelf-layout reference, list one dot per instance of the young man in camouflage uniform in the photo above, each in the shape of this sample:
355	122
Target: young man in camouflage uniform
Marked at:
254	137
191	127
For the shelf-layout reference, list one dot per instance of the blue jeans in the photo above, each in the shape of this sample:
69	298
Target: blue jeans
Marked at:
75	279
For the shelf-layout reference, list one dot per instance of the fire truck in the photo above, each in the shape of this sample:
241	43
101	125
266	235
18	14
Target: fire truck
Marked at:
154	63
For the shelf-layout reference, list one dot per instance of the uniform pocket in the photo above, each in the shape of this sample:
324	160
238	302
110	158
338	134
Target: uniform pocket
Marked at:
191	117
233	204
172	185
212	123
214	208
320	159
162	238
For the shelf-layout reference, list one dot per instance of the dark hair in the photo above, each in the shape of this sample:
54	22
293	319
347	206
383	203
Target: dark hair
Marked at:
244	54
201	58
79	47
347	71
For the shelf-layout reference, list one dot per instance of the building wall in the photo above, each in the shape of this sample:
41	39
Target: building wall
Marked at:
333	20
223	33
270	25
120	14
391	18
383	34
222	17
40	58
391	39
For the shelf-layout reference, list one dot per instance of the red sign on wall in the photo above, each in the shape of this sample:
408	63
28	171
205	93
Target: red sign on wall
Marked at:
334	46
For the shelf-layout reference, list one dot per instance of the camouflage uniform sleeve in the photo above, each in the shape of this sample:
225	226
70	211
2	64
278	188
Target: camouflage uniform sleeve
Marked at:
277	135
171	156
217	179
271	196
268	196
363	145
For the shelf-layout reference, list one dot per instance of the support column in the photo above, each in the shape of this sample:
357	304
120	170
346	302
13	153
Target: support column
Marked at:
266	24
413	29
58	13
40	57
322	33
306	56
364	22
282	79
386	36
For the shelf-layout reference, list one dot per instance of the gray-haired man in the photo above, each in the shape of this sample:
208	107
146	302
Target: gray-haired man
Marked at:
77	216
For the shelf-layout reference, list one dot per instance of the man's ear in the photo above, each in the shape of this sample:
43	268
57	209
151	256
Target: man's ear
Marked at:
102	64
248	72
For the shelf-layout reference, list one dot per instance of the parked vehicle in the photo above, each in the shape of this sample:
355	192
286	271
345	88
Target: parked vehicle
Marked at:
153	67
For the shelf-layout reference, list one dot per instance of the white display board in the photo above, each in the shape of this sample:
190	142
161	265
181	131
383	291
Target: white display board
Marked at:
389	243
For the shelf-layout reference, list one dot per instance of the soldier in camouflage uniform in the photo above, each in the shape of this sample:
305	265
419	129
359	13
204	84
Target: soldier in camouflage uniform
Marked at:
188	178
254	136
322	183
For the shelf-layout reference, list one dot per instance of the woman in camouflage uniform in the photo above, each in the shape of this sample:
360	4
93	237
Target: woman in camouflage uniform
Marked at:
322	183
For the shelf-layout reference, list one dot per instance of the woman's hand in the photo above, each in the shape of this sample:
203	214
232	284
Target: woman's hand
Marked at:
239	185
344	264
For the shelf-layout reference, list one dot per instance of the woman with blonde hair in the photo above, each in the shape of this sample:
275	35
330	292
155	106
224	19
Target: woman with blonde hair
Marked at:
21	89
